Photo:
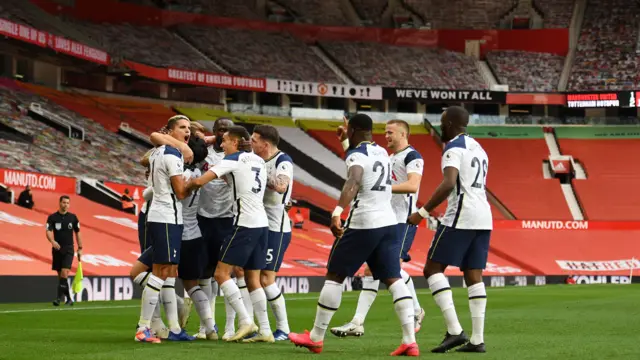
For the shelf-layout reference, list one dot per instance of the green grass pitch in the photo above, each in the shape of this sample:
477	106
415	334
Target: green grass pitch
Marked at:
548	322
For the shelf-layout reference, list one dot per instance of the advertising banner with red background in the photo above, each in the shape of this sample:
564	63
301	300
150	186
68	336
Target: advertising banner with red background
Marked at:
57	43
198	77
38	181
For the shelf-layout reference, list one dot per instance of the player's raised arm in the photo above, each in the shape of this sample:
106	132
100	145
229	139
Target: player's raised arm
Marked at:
200	181
349	192
342	133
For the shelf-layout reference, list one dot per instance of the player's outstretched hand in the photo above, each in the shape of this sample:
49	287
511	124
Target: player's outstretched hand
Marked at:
414	219
336	226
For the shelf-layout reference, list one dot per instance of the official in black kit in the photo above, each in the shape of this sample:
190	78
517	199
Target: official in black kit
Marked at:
60	228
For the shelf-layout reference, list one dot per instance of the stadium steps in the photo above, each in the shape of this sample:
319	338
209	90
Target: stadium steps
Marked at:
572	201
350	13
567	189
486	74
331	64
574	33
179	36
552	143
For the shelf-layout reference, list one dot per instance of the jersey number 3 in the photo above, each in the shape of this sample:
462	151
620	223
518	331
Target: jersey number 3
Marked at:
256	189
378	185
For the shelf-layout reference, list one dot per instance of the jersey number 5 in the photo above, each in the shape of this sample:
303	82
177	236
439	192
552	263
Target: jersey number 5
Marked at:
257	189
378	185
483	181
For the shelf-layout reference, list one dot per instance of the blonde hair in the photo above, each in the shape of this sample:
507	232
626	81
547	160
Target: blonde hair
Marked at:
401	123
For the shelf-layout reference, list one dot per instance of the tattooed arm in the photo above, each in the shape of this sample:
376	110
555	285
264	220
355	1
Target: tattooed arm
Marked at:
279	184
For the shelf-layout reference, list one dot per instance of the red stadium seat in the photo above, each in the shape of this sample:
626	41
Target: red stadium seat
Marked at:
515	177
607	193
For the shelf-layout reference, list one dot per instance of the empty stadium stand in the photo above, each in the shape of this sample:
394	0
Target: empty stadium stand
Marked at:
264	54
462	14
380	64
606	53
516	178
102	151
527	71
608	192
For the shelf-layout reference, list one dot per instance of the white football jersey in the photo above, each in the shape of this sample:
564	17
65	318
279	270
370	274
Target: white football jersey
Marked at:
190	210
247	176
274	202
165	163
216	197
467	205
371	208
403	163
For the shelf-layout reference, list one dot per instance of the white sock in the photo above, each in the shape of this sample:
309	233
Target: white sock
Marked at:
328	304
203	309
205	286
179	300
170	304
232	294
156	318
229	325
477	306
404	309
441	291
259	301
365	300
142	278
246	299
412	290
150	296
212	299
278	306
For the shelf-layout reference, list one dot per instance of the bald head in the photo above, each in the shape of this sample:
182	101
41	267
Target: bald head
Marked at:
457	116
222	123
220	126
454	121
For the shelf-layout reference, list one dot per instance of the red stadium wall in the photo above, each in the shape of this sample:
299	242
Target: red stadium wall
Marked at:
555	41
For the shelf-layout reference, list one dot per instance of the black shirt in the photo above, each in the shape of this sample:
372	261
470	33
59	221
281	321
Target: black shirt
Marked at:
63	227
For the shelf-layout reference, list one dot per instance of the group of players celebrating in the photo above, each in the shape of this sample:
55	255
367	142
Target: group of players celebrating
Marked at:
217	206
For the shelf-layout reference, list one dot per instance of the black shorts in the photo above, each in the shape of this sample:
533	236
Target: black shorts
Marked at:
192	259
62	259
246	248
379	248
214	232
466	249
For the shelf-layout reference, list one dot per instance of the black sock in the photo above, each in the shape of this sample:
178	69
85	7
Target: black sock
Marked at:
60	290
64	288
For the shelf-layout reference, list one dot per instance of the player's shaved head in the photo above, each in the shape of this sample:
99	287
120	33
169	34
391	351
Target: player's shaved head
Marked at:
222	123
457	115
359	129
454	121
